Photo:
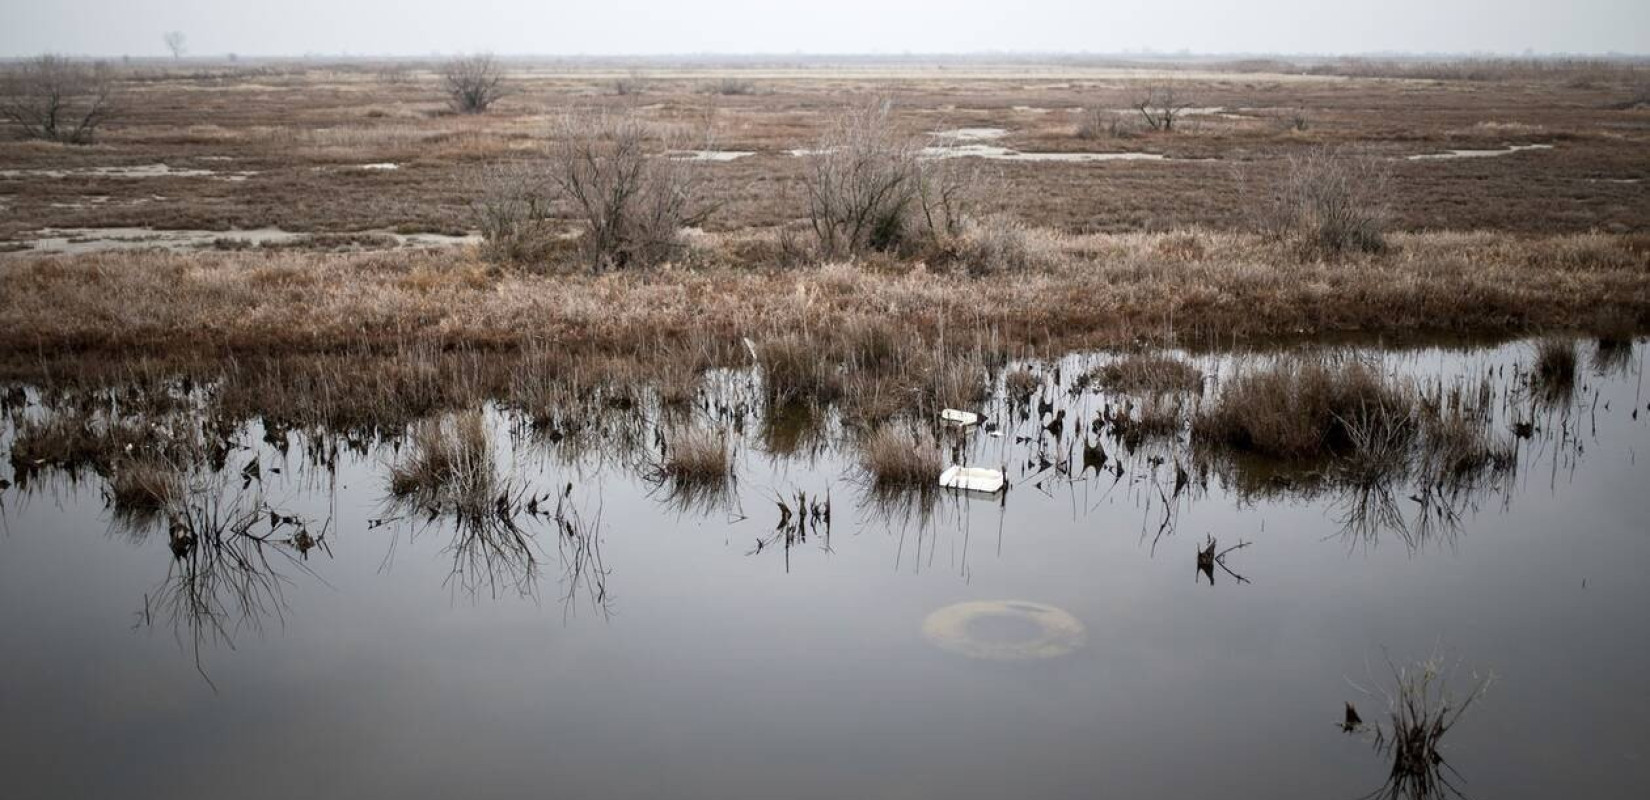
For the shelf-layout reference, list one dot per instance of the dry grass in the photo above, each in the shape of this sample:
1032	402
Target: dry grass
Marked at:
1304	409
449	465
144	487
1553	376
1146	374
697	455
894	457
1104	291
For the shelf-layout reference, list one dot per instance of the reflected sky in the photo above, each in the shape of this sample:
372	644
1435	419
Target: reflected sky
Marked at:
712	668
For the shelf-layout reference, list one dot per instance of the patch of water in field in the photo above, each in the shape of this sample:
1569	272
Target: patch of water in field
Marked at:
91	240
138	171
711	155
619	638
999	153
1451	154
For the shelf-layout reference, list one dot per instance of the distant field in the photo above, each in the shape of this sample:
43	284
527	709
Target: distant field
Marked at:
284	147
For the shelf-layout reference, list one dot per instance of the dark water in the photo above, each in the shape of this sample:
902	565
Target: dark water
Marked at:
687	661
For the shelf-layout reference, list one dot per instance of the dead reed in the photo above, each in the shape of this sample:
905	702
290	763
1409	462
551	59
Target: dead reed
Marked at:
1143	373
1306	408
894	457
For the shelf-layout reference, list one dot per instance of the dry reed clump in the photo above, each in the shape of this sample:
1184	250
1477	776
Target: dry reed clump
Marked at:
1331	201
1307	408
794	368
75	439
697	456
1146	374
999	246
144	486
1554	374
894	457
449	463
1021	384
1459	448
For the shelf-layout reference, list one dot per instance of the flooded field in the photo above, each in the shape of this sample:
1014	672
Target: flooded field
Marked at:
756	595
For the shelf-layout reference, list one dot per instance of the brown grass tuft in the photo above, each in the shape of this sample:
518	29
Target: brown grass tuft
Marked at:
894	457
1306	409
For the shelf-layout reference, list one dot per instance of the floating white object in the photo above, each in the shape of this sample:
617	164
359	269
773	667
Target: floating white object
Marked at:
972	479
963	418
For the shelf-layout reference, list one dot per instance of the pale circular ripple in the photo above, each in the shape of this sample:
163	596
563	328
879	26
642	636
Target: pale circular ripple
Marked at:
1043	631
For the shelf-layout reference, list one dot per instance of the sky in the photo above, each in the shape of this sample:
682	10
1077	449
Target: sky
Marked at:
657	27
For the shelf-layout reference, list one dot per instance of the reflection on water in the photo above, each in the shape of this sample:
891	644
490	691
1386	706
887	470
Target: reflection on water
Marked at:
776	601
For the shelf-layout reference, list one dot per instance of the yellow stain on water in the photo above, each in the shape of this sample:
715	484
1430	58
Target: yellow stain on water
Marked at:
955	628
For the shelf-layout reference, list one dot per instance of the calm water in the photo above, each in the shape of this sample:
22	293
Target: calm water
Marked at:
678	658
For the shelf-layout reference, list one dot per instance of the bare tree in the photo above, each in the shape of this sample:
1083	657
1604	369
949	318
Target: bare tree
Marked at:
176	42
473	82
1162	106
55	98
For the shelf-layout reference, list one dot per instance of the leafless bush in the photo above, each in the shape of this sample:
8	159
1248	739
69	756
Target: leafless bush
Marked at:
473	83
870	188
731	86
1330	201
634	205
1161	106
54	98
1098	123
1000	245
394	74
512	209
631	84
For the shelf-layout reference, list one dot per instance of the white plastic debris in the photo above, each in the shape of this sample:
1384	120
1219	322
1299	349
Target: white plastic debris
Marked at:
963	418
972	479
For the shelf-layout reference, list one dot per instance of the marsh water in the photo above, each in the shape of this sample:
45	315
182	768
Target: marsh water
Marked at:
638	641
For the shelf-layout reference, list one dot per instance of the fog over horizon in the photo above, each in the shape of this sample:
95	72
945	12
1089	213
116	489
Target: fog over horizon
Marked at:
111	28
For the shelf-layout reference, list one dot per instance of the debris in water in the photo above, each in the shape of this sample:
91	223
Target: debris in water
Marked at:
972	479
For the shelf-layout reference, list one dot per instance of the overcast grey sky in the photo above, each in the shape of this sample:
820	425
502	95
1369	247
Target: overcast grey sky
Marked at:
593	27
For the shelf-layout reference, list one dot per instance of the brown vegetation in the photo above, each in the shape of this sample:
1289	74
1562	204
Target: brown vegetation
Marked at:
894	457
57	98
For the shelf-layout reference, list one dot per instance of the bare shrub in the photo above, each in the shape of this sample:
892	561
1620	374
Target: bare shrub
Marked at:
634	204
512	210
731	86
630	84
58	99
473	83
870	188
1098	123
1000	245
1161	106
861	181
1330	201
